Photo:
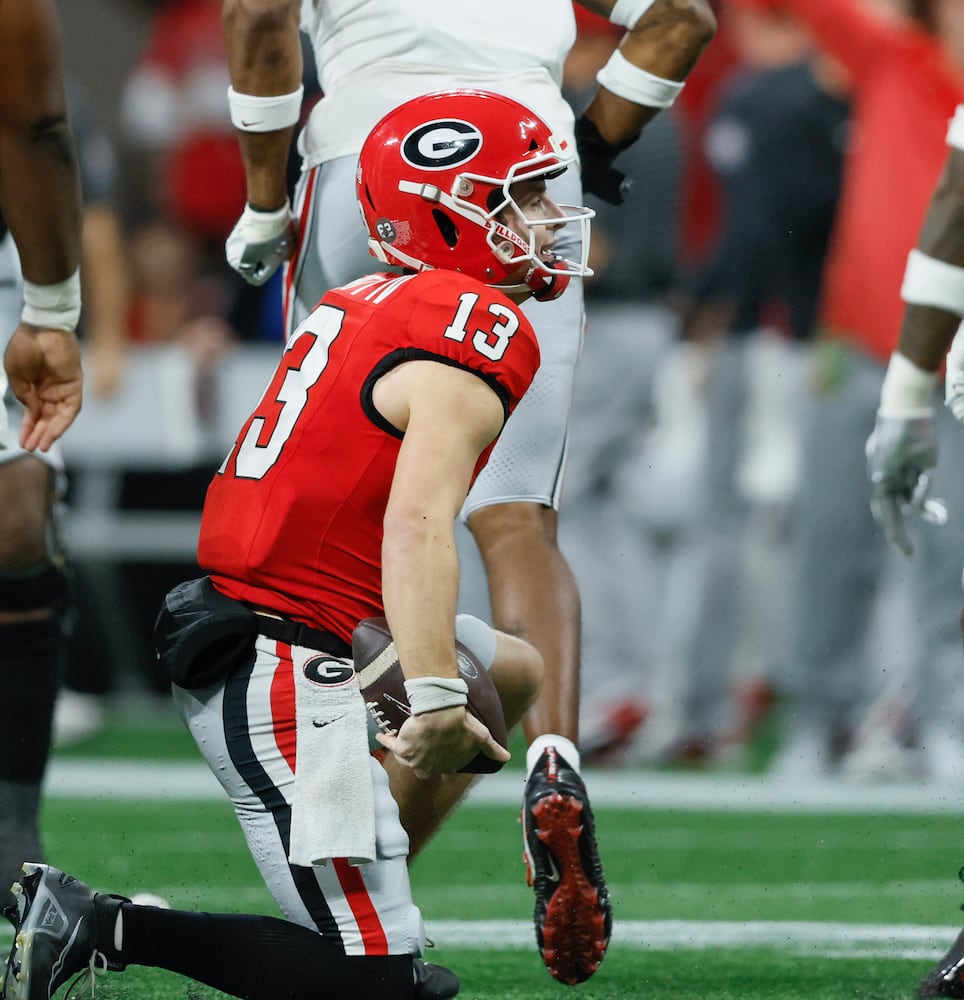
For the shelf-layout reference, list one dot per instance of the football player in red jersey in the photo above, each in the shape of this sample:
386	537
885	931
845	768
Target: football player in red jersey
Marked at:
338	502
371	55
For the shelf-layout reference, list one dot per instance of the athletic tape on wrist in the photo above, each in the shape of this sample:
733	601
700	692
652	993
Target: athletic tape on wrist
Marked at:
53	307
637	85
628	12
429	694
907	390
252	113
955	130
932	282
259	227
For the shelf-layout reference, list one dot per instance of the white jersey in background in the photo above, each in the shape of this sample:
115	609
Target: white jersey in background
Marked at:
373	55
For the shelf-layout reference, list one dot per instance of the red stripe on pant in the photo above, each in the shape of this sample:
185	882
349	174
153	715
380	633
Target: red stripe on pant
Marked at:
350	878
291	267
370	927
283	713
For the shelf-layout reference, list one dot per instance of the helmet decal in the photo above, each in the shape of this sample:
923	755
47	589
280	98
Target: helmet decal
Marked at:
385	230
441	144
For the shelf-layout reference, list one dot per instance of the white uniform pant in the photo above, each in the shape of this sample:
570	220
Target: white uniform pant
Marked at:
244	727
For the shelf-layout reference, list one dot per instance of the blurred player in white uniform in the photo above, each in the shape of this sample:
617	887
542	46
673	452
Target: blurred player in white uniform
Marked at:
371	55
902	450
39	310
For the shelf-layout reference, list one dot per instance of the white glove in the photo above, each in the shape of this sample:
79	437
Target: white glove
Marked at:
901	452
259	242
954	377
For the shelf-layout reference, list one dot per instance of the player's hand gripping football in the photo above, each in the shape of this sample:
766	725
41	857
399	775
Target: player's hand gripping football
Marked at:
901	452
441	742
260	242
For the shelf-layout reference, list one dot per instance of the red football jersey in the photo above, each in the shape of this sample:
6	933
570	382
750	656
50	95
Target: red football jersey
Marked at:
293	519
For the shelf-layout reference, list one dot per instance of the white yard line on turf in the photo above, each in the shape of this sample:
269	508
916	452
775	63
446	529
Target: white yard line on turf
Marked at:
816	939
75	777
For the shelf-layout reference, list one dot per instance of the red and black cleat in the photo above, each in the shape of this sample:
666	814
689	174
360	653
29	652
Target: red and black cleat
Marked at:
573	914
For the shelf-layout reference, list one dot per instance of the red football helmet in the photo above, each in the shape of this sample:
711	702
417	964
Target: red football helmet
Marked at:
436	172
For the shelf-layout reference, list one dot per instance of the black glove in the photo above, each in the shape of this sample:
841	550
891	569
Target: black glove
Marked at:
598	175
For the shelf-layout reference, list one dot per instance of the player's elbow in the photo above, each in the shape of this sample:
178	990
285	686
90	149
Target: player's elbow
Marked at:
51	136
260	18
698	19
684	24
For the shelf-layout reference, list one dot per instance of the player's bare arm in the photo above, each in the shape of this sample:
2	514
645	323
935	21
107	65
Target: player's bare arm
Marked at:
39	189
40	198
666	39
449	416
264	59
927	331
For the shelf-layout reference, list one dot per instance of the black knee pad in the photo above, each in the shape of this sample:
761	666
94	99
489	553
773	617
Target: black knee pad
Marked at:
43	585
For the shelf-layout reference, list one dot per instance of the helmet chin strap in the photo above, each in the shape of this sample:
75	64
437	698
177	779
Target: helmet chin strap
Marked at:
543	286
548	285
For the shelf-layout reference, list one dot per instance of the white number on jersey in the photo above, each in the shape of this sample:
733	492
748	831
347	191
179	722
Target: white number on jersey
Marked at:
304	360
491	343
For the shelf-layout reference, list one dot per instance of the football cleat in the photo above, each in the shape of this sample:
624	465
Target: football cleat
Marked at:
434	982
946	979
54	921
573	914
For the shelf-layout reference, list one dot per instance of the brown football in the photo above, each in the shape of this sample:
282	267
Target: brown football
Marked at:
383	685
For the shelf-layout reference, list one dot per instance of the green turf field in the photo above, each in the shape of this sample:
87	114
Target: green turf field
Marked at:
727	903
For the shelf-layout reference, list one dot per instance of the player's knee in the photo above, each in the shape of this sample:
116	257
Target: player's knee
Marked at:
30	591
25	501
514	527
517	672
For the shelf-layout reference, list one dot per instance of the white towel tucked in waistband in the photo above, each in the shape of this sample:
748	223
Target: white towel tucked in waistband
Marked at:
333	813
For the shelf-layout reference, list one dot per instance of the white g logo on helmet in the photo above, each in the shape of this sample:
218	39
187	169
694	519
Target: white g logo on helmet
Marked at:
441	144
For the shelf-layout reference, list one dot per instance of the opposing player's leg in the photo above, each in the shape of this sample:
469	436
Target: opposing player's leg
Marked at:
532	590
534	596
31	611
512	514
32	591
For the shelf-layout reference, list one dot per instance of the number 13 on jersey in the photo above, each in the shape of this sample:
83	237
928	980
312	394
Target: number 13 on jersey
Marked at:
491	343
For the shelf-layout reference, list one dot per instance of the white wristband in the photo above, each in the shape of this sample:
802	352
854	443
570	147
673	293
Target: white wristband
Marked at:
429	694
955	130
260	227
932	282
628	12
53	307
637	85
908	391
251	113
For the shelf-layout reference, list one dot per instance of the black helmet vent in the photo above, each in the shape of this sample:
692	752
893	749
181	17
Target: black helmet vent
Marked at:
446	227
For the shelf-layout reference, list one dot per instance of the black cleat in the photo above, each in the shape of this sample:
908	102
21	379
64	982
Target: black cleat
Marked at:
434	982
53	916
573	915
946	979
